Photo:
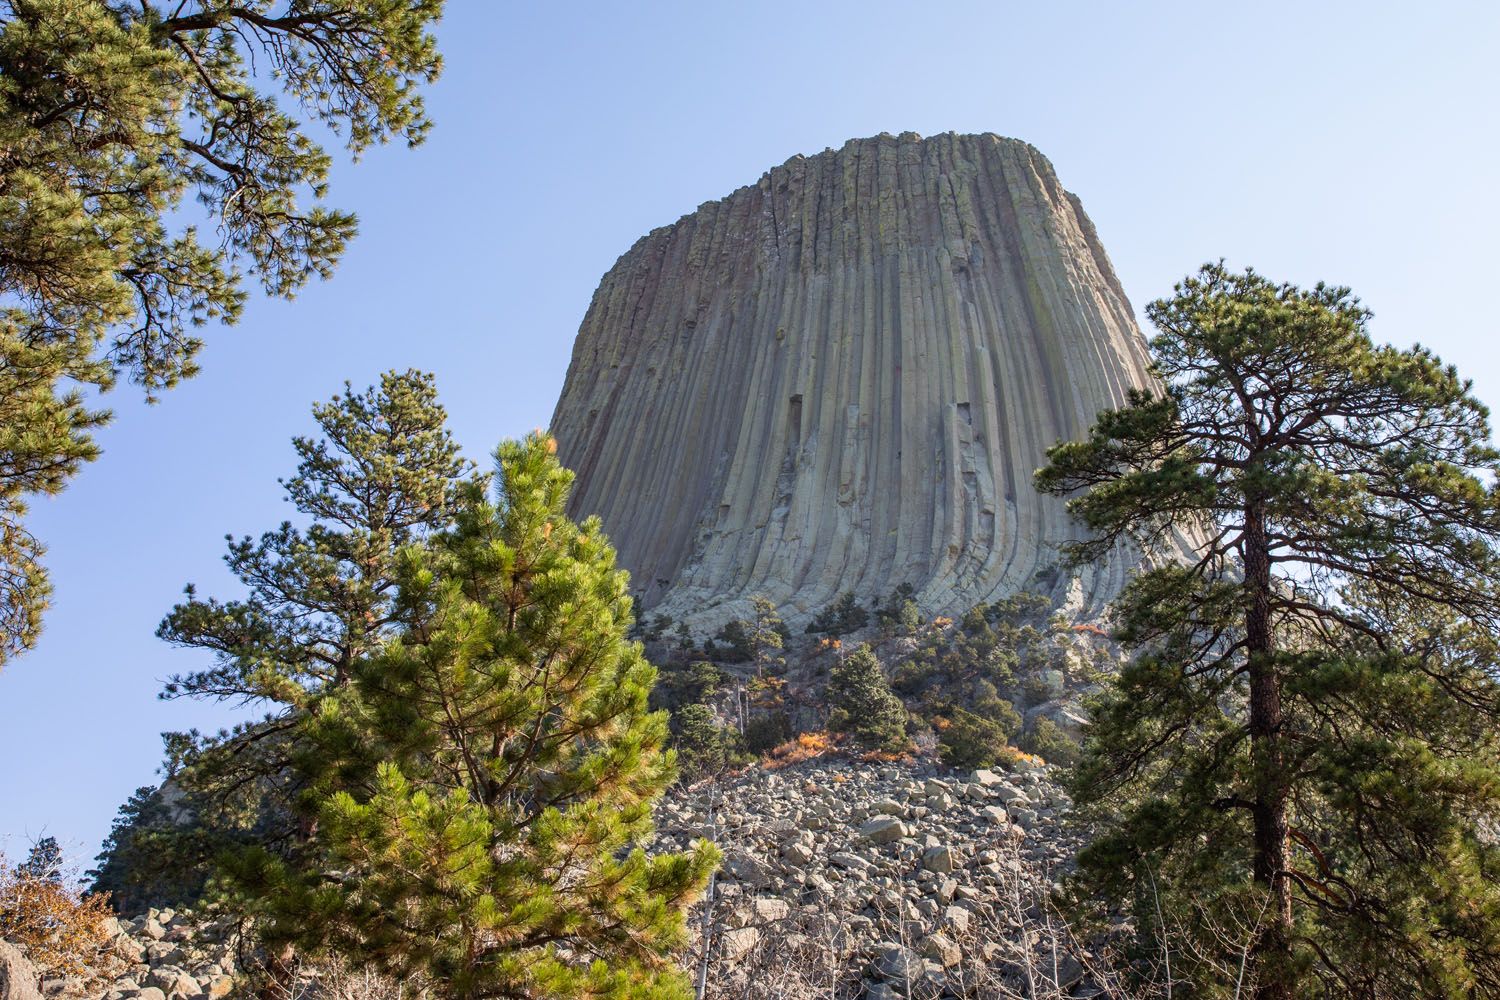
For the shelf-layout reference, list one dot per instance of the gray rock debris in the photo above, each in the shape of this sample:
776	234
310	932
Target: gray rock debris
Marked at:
901	871
849	858
165	955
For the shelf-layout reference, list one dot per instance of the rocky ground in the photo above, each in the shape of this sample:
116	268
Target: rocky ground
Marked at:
173	955
841	878
160	955
847	878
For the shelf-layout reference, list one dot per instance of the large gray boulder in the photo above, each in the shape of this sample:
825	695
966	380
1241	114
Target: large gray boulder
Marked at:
18	977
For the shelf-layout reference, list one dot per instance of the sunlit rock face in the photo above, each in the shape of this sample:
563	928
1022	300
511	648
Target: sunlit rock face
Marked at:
842	377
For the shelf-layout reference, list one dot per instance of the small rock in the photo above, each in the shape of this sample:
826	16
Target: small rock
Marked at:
894	962
996	815
739	942
1010	793
173	982
797	854
748	870
941	949
939	860
769	910
882	830
818	889
1069	972
957	919
129	949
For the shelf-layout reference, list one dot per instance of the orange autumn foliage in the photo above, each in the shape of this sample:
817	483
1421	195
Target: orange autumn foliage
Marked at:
805	747
60	927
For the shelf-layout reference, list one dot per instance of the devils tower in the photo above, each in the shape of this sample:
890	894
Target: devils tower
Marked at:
842	377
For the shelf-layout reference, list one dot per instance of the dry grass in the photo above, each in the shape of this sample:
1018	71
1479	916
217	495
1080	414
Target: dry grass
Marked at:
1014	947
806	746
329	978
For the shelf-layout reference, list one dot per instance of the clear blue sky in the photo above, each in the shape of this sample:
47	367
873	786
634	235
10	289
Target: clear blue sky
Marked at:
1352	142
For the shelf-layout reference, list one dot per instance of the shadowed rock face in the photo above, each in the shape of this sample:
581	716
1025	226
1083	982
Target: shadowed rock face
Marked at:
842	377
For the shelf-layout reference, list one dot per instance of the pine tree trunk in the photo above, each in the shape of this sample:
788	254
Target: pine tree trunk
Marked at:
281	975
1271	951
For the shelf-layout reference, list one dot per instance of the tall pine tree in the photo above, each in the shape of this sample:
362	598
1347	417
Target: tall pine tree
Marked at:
863	705
480	790
1300	760
112	114
384	473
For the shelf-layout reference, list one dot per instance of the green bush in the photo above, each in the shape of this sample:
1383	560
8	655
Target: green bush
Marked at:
678	685
912	677
970	740
766	730
900	614
1047	740
733	643
987	704
863	706
840	618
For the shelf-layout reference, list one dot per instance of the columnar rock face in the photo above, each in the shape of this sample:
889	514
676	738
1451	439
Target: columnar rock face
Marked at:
842	377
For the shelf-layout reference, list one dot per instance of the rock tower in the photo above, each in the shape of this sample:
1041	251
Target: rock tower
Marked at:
842	377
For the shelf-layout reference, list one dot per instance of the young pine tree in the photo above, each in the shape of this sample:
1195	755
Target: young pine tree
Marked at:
704	747
863	705
1295	774
384	473
481	786
971	739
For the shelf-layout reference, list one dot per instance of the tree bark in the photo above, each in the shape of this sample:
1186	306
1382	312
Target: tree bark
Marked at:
281	974
1271	950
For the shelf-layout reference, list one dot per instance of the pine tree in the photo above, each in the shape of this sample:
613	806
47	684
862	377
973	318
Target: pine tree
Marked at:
900	615
840	618
968	740
767	635
111	115
44	861
704	747
863	705
1301	757
384	473
687	684
1046	739
481	787
152	858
